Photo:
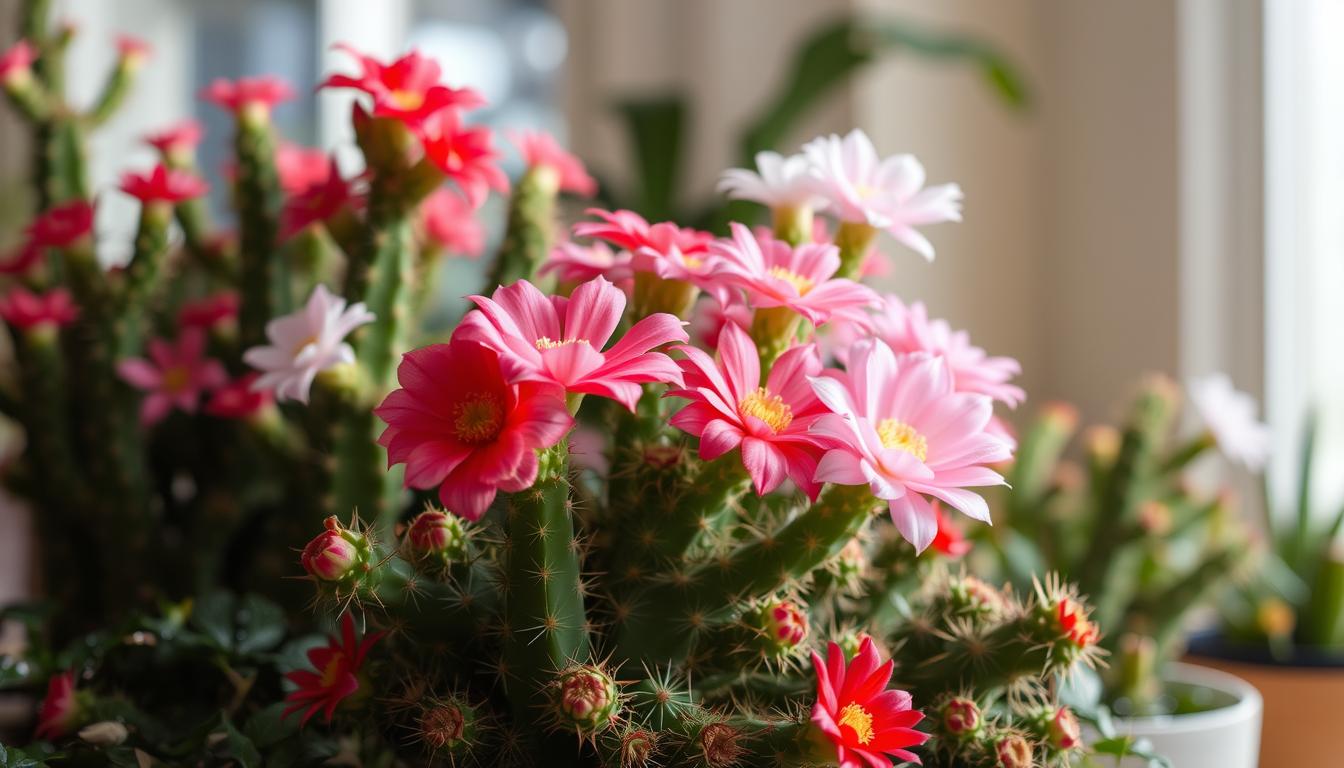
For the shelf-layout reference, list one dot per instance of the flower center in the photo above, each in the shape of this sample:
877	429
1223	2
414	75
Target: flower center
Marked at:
332	670
768	407
693	262
478	418
802	284
898	434
859	721
176	379
310	340
546	342
406	100
865	190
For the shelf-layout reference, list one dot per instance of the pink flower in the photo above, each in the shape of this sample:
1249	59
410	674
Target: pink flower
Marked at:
669	251
337	677
407	90
62	226
179	140
578	263
907	434
775	274
908	329
456	423
23	309
256	95
868	724
60	709
300	167
175	375
16	64
886	193
21	260
540	150
239	399
711	317
559	340
450	223
465	155
209	311
319	201
777	182
770	424
306	342
132	50
163	185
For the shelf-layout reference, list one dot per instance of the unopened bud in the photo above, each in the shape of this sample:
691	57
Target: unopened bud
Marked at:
1061	415
971	595
1013	751
1103	443
587	698
108	733
720	745
446	725
437	534
961	717
1063	730
637	748
662	456
336	554
783	626
1073	623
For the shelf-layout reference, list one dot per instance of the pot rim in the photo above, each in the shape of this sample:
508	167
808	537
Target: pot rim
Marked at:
1246	709
1214	645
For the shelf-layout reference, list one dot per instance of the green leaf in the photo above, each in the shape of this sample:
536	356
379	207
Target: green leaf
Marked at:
213	615
239	747
261	624
13	757
268	727
655	129
1129	746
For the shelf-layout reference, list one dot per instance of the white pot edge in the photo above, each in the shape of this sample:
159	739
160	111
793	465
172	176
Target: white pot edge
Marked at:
1247	709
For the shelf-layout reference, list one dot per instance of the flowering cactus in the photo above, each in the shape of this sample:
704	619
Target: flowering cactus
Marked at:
496	601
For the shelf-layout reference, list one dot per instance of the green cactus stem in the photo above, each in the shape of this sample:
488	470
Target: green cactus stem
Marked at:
855	240
1324	625
264	283
114	91
143	275
530	229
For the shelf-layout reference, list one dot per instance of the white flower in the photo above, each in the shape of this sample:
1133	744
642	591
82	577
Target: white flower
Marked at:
777	182
1229	416
304	343
886	193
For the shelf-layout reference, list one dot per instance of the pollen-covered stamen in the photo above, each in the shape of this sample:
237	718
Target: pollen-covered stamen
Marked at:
478	418
406	99
800	283
546	342
857	719
768	407
897	434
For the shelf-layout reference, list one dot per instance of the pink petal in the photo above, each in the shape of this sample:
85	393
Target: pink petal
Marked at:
915	519
139	373
764	463
594	310
718	438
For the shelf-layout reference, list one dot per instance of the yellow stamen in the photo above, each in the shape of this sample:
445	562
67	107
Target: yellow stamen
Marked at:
332	671
176	379
898	434
799	282
693	262
546	342
478	418
768	407
858	719
406	100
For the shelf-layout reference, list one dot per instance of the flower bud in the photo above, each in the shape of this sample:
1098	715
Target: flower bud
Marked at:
783	626
438	535
587	698
107	733
637	748
850	563
969	595
1072	622
719	744
336	554
961	717
447	725
1013	751
1063	730
660	456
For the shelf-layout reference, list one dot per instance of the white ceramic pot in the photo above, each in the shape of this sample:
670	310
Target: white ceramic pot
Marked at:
1225	737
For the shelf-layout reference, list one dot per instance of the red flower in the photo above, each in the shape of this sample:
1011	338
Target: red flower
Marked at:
1074	623
163	185
17	62
949	541
457	424
407	90
22	259
540	150
60	709
62	226
177	140
866	723
209	311
25	310
337	675
238	399
450	223
465	155
300	167
319	201
258	94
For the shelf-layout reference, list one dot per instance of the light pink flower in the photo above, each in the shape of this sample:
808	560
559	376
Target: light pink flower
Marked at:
449	222
666	250
777	182
306	342
770	424
560	340
775	274
886	193
907	434
579	263
175	375
255	94
1229	415
711	317
540	149
16	63
907	328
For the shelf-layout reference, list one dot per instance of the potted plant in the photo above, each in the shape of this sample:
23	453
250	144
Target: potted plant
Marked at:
1149	550
1283	630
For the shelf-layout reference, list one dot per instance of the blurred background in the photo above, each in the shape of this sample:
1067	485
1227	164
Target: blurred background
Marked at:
1153	185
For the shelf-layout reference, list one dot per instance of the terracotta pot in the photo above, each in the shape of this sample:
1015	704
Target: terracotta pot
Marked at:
1302	698
1224	736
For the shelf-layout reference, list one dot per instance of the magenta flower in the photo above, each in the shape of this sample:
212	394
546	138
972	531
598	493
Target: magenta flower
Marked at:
178	141
25	310
62	226
16	64
541	150
666	250
908	434
407	90
175	375
254	95
886	193
771	424
464	154
578	263
450	223
868	724
326	195
301	168
560	340
163	185
776	274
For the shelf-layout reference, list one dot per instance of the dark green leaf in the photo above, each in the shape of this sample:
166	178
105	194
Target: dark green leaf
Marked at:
238	747
267	727
13	757
261	624
655	130
214	615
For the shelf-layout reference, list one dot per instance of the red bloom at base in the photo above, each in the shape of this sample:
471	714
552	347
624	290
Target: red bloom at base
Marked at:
337	675
163	185
949	541
854	711
60	709
25	310
255	94
457	424
62	226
